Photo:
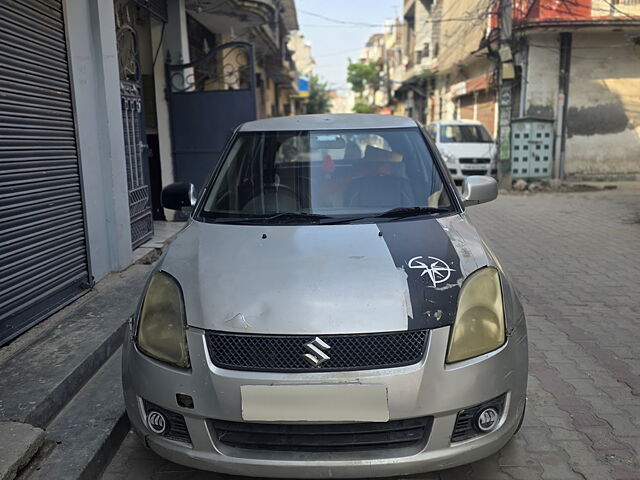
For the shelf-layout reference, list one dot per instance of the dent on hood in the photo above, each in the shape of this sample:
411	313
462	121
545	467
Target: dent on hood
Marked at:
467	243
288	279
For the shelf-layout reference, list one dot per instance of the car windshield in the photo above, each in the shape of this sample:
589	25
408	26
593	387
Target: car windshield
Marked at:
308	176
464	134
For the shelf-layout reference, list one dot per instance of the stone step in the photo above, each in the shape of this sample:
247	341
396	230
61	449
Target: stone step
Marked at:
19	444
81	440
48	365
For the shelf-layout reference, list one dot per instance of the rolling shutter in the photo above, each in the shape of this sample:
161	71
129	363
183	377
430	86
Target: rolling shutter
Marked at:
466	107
43	255
487	110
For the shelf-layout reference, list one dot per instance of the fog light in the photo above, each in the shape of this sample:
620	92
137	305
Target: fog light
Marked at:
487	419
157	422
478	419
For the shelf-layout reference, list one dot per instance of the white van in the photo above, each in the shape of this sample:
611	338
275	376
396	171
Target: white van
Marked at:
466	147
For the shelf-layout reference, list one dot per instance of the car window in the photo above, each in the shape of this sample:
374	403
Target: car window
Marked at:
329	173
341	147
464	134
433	131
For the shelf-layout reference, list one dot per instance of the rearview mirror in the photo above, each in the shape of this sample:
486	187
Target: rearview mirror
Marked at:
329	142
178	196
477	189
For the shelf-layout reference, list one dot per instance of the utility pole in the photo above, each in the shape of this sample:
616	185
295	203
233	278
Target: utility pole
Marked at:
385	67
506	74
563	105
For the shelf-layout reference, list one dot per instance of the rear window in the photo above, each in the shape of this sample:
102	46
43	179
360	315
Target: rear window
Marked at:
330	173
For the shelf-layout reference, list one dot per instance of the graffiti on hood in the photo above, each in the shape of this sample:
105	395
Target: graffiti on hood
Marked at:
438	270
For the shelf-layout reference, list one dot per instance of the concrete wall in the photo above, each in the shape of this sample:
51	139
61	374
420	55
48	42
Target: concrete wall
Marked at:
464	24
96	90
604	105
424	29
618	10
173	42
542	83
301	49
603	117
459	38
444	104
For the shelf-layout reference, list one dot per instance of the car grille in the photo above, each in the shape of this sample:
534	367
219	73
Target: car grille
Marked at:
324	437
285	353
474	172
474	160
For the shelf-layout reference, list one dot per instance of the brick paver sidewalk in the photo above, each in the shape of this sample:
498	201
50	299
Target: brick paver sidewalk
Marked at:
575	259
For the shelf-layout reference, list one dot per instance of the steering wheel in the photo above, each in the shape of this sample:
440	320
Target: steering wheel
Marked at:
287	191
277	197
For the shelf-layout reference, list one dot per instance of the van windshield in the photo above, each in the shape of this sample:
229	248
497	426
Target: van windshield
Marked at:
464	134
326	176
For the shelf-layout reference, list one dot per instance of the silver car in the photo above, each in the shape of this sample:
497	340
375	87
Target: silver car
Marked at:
328	311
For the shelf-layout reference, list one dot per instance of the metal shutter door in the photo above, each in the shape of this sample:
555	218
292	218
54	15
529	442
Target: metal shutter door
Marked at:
487	110
466	107
43	256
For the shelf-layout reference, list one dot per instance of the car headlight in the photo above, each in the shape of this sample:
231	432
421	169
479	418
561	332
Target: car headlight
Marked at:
448	157
479	325
162	323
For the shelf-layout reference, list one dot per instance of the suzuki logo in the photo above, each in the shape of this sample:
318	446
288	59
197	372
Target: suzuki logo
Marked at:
317	357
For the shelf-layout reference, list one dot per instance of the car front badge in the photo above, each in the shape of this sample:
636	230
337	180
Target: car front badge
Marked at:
317	356
438	270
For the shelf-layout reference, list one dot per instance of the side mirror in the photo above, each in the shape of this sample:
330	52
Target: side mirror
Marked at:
178	196
478	189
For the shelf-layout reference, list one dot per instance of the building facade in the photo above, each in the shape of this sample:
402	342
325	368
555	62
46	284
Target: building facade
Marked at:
304	63
566	68
420	50
578	67
374	53
88	127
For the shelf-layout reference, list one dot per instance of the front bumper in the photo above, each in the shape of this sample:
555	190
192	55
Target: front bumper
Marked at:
429	388
461	171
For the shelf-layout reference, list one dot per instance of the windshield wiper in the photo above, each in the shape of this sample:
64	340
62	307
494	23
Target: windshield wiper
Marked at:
284	217
315	218
406	212
296	216
394	214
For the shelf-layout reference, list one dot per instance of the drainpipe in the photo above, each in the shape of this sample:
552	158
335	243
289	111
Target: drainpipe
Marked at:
563	104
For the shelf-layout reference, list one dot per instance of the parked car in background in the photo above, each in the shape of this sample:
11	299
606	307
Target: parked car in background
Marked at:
466	146
328	312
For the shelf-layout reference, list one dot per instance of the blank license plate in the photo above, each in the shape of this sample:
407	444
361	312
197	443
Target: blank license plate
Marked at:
315	403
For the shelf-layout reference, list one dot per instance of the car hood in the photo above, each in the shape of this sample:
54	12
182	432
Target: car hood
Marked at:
321	279
468	150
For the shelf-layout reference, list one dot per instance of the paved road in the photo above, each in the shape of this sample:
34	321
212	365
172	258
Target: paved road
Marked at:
574	258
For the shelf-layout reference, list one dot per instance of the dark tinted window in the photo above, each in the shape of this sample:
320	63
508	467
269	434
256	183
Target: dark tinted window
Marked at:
464	134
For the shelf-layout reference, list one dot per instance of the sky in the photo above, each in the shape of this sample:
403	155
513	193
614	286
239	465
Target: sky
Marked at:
333	43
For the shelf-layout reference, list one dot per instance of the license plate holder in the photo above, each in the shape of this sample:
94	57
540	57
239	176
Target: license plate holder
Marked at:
315	403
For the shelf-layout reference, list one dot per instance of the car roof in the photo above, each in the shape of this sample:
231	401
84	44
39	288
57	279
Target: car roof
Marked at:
456	122
339	121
